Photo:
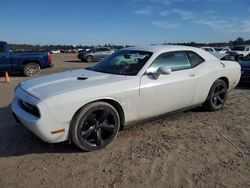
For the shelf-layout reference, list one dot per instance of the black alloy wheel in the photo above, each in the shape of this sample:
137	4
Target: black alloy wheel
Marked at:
95	126
217	96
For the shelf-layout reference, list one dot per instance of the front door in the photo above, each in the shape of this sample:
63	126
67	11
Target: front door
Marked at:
168	92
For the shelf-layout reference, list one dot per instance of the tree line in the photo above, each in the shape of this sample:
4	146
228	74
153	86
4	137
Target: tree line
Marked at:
29	47
238	41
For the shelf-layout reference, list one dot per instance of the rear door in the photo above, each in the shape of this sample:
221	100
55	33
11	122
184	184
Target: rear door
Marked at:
5	63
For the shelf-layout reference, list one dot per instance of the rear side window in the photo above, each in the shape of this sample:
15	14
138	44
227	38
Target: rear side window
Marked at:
1	48
174	60
194	59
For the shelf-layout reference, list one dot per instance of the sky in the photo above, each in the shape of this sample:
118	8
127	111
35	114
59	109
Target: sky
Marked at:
132	22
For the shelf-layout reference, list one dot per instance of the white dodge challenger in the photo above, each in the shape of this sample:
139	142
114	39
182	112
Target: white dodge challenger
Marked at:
90	106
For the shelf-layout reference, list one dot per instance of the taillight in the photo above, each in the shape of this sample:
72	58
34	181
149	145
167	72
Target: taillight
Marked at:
49	57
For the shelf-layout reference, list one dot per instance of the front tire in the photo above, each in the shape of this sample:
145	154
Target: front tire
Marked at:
95	126
217	96
31	70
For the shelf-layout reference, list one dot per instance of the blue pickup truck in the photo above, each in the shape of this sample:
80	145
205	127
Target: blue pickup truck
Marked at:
29	63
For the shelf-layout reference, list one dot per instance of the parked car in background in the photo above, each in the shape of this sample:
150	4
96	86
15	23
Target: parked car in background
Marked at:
28	62
208	49
222	49
245	68
80	50
89	106
72	51
63	51
95	54
212	51
242	50
55	51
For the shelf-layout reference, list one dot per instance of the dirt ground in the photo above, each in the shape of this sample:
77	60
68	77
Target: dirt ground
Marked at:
189	149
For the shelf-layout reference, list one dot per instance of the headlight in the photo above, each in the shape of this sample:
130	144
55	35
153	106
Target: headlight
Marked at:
30	108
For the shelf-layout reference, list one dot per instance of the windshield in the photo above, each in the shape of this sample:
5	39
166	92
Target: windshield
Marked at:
239	48
124	62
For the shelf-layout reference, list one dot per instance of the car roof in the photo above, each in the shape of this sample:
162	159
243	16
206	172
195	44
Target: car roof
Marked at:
154	48
158	49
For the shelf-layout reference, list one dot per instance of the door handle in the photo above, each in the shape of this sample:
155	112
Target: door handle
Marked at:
191	74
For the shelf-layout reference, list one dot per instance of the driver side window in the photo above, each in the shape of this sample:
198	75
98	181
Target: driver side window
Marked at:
174	60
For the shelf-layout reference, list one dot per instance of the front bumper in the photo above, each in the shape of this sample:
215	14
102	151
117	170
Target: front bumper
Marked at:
43	126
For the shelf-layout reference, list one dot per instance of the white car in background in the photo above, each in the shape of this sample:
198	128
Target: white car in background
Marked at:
55	51
90	106
242	50
222	49
208	49
213	51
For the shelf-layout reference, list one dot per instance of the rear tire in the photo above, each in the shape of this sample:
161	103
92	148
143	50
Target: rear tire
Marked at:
95	126
217	96
31	70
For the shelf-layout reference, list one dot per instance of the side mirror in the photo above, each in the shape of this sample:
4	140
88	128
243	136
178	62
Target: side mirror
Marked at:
159	71
164	70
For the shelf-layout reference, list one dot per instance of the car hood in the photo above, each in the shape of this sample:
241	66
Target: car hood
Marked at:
51	85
